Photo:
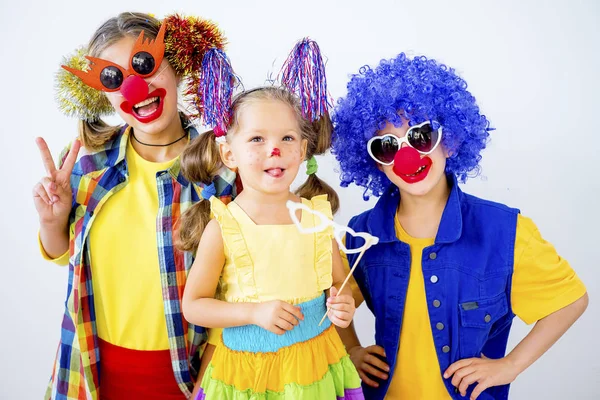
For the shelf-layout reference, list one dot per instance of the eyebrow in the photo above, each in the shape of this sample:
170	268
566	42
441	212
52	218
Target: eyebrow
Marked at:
266	132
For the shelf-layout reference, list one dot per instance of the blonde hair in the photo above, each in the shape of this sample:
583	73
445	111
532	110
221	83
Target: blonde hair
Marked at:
201	162
94	135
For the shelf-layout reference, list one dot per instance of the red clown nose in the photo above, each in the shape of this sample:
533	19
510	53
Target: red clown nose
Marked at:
406	161
135	90
409	165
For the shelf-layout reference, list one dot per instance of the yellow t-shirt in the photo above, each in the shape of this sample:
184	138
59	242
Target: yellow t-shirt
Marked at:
125	268
542	283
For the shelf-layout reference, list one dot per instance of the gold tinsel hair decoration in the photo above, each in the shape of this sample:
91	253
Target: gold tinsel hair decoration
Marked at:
75	98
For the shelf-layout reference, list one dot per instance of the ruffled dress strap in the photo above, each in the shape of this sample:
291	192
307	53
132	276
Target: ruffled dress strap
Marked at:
235	248
323	248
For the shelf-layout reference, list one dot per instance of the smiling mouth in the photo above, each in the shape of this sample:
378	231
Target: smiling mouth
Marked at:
147	107
421	169
418	175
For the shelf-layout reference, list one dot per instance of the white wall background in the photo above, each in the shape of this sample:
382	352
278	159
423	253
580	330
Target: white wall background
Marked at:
533	66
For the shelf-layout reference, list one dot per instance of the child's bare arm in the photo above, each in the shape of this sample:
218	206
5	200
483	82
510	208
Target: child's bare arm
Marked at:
199	305
201	308
489	372
365	359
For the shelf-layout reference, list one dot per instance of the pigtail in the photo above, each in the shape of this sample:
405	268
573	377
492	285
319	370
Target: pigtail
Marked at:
193	221
200	162
323	129
314	186
319	142
94	134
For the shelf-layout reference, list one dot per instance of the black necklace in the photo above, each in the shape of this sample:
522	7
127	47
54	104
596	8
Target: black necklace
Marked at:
157	145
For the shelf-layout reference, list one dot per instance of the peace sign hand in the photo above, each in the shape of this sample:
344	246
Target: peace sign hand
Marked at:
52	194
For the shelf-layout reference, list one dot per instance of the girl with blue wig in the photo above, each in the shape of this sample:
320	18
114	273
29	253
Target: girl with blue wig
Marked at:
450	271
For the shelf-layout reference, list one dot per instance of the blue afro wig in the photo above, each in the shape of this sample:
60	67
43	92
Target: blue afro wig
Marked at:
419	89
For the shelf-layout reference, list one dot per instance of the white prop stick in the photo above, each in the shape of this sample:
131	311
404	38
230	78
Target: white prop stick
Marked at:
338	232
366	246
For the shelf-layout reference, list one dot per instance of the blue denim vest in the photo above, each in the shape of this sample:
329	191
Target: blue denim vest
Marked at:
467	272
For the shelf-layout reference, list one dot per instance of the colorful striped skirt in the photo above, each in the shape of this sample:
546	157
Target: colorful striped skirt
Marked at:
308	362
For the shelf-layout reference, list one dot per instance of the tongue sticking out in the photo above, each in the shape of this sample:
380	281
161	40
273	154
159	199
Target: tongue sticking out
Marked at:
275	172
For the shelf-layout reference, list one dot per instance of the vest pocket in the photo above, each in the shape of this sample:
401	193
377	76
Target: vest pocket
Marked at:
483	313
476	319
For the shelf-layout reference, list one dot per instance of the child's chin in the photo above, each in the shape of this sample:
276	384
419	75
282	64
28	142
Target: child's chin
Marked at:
419	189
414	189
275	188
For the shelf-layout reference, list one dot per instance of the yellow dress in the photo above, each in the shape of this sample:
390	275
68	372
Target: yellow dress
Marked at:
277	262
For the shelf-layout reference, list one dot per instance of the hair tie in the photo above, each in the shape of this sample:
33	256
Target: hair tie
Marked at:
209	191
311	166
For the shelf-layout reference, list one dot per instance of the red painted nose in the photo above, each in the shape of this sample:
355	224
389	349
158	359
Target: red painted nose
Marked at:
276	152
134	89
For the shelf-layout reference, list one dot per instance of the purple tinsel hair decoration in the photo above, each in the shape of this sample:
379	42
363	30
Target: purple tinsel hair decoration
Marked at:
217	83
303	73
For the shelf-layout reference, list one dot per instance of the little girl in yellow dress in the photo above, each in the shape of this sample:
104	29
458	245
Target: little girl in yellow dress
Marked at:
269	279
255	275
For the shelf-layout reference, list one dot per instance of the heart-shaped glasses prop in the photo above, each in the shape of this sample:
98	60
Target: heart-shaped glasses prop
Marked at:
338	233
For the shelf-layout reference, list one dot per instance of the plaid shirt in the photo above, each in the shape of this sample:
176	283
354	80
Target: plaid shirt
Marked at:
95	178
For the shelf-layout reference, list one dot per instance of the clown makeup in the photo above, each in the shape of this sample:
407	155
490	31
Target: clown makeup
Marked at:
411	157
144	61
405	152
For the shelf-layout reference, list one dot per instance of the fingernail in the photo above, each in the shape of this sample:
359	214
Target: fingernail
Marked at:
445	376
53	186
54	199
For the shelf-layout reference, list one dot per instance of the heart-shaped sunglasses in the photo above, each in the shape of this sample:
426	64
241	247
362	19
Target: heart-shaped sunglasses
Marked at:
422	137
